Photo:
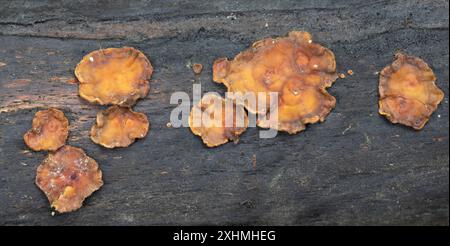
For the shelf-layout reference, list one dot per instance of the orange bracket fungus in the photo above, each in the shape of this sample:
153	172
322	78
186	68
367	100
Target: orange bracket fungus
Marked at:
119	127
67	177
114	76
295	68
217	120
50	129
408	93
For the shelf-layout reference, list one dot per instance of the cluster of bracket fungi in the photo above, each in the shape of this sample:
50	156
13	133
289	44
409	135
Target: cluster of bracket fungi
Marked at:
300	71
113	76
118	77
294	67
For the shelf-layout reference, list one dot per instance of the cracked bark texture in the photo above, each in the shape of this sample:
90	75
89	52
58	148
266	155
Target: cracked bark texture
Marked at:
356	168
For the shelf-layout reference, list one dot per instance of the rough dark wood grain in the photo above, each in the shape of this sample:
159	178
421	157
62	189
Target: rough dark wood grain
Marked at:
355	168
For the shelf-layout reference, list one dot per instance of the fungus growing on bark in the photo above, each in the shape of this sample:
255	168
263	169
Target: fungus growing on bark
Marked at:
67	177
116	76
295	68
49	131
217	120
119	127
408	93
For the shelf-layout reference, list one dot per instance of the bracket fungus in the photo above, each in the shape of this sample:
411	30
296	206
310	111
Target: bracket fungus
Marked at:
119	127
49	131
114	76
408	93
295	68
67	177
217	120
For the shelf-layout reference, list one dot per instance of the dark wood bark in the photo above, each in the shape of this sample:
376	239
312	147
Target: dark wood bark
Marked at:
355	168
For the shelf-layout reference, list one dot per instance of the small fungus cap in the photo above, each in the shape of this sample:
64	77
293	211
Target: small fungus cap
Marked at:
116	76
67	177
217	120
119	127
408	93
49	131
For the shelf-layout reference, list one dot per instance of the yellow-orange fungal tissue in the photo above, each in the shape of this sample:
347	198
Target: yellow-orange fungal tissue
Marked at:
49	131
408	93
119	127
295	67
116	76
67	177
217	120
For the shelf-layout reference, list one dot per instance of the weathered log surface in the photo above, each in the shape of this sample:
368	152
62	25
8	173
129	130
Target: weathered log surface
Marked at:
354	168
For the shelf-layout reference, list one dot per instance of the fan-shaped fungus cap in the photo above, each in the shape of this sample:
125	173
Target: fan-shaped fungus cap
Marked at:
294	67
49	131
119	127
67	177
114	76
217	120
408	93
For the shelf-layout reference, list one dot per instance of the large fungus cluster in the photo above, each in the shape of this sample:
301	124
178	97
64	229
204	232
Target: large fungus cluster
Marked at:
117	76
113	76
67	176
295	68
